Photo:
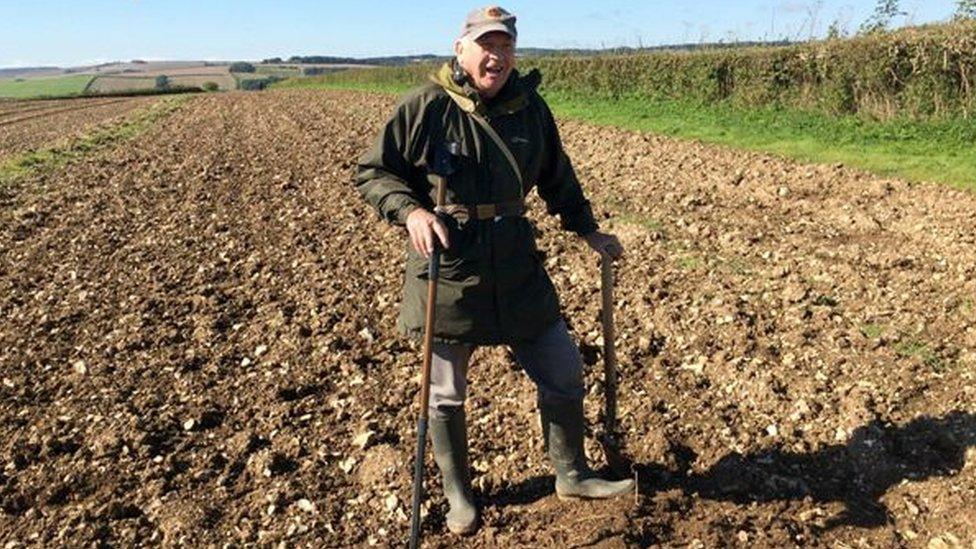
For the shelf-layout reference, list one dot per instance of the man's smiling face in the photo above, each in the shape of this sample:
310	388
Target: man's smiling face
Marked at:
488	60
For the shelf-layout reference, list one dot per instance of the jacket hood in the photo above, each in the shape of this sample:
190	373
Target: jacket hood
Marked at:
511	98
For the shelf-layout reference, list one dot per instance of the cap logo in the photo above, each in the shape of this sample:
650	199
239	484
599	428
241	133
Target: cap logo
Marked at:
493	12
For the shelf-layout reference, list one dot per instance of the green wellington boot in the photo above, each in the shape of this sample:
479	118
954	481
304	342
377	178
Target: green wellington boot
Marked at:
562	429
449	438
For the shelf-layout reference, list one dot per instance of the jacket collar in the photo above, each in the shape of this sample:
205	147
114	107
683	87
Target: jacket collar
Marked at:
512	98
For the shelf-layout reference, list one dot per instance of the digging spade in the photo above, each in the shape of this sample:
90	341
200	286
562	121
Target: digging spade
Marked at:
444	166
609	439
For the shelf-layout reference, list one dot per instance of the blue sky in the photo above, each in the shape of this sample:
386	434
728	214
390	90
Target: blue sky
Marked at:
46	32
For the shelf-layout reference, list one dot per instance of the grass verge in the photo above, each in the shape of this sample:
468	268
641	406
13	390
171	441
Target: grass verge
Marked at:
88	94
22	165
938	151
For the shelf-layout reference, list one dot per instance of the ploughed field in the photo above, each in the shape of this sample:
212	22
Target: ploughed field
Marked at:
197	347
191	76
27	125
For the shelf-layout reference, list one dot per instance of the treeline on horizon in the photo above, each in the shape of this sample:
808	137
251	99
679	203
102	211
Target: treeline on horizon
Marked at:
395	60
403	60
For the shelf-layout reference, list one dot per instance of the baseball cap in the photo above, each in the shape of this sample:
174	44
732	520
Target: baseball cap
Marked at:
481	21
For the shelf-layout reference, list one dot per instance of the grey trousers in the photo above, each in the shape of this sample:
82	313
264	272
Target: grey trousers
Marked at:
552	361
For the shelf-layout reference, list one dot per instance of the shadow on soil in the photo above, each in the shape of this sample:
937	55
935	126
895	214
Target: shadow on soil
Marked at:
528	491
858	473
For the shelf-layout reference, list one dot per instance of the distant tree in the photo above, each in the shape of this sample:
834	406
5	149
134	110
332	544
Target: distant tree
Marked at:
241	66
162	82
966	9
884	12
835	31
210	86
272	61
257	84
252	84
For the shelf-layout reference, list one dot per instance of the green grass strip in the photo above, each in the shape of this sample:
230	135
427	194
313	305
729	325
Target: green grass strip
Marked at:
54	86
939	151
30	163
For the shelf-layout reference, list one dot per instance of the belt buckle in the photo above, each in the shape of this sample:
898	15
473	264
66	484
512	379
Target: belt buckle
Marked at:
459	213
486	211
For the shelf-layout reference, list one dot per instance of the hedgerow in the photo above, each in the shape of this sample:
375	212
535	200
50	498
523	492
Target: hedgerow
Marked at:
920	73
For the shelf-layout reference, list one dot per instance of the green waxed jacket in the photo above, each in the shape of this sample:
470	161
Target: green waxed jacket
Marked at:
493	287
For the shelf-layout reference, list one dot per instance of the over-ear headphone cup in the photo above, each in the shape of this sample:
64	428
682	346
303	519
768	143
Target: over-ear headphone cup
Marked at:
458	75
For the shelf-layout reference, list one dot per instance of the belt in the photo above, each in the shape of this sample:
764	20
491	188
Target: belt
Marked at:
464	212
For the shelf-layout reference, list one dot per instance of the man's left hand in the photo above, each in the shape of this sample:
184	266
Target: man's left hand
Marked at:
604	243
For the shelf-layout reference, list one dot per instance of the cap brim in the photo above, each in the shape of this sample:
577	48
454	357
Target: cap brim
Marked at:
482	30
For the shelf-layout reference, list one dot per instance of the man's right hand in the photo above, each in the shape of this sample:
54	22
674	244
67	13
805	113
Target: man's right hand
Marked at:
423	226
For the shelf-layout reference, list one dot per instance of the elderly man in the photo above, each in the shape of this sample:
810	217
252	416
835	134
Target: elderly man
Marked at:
493	288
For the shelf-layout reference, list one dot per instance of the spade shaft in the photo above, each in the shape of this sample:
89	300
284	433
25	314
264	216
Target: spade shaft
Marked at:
609	347
422	421
616	457
443	167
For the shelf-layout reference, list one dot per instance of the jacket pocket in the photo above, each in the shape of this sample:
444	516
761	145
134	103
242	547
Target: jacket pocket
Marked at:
458	263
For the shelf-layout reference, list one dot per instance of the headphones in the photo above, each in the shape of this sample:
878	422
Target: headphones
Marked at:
457	73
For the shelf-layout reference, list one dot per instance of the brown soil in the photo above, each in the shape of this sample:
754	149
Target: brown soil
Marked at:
29	125
197	348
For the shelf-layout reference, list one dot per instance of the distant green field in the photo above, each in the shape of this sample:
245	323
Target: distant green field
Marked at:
42	87
278	70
